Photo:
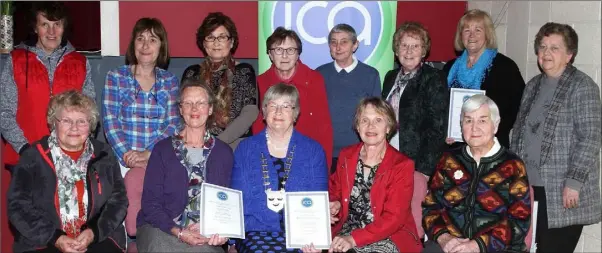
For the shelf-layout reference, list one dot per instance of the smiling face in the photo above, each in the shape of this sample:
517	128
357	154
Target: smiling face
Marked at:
410	52
342	47
474	37
280	114
72	129
284	61
372	126
194	107
50	33
218	50
147	46
553	55
478	129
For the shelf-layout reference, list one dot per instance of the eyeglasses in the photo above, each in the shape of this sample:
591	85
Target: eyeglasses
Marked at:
553	48
284	107
406	47
220	38
289	51
199	104
69	122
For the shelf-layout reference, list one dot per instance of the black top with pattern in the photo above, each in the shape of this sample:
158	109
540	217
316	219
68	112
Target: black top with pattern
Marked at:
360	213
279	165
244	89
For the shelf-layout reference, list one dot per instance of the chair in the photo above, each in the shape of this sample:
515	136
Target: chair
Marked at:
420	188
531	233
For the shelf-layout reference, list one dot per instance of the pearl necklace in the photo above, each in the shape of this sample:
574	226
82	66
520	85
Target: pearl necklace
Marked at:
267	136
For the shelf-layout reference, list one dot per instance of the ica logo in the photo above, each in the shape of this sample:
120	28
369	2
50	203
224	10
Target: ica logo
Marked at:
306	202
313	20
222	196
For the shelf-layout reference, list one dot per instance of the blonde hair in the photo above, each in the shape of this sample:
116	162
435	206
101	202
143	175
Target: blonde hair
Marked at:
72	100
476	15
382	107
415	30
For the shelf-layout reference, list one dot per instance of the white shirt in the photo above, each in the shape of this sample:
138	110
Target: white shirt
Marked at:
496	147
348	68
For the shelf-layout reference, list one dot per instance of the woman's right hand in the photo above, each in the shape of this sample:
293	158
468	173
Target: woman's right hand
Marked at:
335	207
310	249
449	141
193	238
67	244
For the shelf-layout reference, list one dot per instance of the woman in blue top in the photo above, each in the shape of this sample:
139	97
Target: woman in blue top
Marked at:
275	160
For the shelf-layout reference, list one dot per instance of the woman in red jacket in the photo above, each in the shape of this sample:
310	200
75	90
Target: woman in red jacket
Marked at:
371	189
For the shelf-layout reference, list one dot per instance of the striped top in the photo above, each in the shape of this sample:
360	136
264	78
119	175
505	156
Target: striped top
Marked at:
134	119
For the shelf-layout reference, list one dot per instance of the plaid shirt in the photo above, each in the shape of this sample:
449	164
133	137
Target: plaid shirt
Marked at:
134	119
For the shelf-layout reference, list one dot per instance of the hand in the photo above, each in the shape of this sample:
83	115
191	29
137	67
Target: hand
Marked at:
466	246
215	240
448	242
342	244
130	158
335	207
84	239
190	236
310	248
232	249
570	198
449	141
67	244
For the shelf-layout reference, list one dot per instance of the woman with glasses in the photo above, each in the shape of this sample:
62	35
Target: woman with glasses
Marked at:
67	193
139	104
168	220
284	48
233	83
418	94
276	160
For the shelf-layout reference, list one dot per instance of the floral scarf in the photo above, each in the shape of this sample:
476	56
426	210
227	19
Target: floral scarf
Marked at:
197	173
69	173
460	76
221	90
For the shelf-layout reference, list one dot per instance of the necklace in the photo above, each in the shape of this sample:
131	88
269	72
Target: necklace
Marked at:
275	199
284	147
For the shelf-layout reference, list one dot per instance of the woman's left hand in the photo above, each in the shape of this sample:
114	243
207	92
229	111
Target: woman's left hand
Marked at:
342	244
570	198
215	240
310	249
85	238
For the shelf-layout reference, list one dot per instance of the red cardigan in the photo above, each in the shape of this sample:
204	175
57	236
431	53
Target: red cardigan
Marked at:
390	196
314	119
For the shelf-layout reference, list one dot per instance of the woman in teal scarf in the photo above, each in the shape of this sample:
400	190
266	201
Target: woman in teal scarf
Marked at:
480	66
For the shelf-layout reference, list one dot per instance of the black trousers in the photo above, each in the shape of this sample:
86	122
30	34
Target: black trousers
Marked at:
101	247
553	239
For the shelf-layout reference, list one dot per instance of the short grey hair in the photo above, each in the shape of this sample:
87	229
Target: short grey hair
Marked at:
72	100
343	28
282	90
475	102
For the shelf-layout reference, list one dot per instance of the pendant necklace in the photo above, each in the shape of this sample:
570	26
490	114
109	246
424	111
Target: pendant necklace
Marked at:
275	199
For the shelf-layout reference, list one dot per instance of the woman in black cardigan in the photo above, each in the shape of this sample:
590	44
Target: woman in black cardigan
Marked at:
481	66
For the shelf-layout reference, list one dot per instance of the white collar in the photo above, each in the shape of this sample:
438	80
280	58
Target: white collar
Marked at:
496	147
348	68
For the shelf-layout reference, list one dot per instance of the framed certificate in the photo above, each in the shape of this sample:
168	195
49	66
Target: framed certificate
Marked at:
307	219
456	99
221	212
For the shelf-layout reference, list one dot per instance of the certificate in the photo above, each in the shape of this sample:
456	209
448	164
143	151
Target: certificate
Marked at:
456	99
307	219
221	212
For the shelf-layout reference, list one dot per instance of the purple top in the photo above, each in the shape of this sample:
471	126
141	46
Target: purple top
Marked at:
165	191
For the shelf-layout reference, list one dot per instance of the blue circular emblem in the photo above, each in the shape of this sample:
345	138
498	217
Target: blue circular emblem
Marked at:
222	196
313	20
307	202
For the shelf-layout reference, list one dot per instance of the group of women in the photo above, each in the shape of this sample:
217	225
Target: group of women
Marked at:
271	134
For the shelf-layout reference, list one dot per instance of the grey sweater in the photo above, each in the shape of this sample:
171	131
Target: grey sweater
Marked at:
9	128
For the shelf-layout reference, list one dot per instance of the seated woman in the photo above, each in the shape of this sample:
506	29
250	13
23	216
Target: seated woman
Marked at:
478	199
275	160
67	193
178	165
371	189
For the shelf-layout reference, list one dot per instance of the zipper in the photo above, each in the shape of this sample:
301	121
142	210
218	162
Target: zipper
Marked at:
98	183
413	235
470	211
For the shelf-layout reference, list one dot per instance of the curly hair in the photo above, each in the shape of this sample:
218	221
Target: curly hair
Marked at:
568	34
72	100
212	22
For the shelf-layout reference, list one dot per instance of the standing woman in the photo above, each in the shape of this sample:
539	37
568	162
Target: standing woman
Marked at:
482	67
557	133
233	83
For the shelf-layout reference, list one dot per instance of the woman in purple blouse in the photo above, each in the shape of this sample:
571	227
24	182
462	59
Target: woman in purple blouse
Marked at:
178	165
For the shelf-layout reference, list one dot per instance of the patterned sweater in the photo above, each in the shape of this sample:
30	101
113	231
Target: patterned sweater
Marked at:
488	203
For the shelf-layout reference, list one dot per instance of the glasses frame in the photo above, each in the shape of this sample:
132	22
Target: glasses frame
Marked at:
208	38
69	123
289	51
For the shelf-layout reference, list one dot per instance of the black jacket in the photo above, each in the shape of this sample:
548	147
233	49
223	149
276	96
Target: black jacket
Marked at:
33	198
504	84
423	110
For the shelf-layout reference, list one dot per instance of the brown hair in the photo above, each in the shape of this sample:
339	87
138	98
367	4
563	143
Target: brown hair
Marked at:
75	100
190	83
382	107
53	11
569	37
154	26
413	29
476	15
212	22
279	36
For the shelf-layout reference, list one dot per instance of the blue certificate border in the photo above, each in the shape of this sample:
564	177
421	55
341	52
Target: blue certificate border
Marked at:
452	94
238	195
321	194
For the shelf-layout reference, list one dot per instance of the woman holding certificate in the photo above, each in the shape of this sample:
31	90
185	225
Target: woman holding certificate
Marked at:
177	167
371	189
275	160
